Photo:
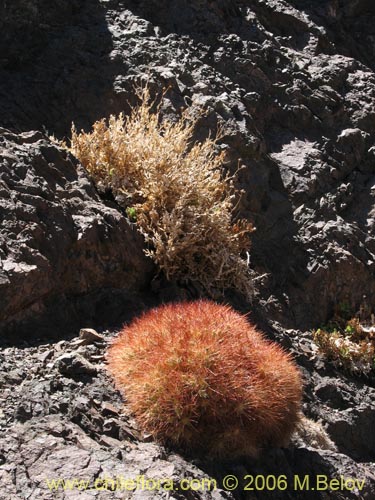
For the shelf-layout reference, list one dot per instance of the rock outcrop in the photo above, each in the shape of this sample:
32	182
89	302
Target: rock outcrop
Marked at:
294	83
66	258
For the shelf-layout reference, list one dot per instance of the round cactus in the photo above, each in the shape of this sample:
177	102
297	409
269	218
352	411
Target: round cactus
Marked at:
200	376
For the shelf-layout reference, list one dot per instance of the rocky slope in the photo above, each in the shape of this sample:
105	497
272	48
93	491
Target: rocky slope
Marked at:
294	85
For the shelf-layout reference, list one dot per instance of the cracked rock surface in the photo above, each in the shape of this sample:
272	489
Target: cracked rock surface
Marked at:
65	256
62	418
293	84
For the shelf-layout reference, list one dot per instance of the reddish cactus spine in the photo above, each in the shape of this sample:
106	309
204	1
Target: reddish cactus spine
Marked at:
200	376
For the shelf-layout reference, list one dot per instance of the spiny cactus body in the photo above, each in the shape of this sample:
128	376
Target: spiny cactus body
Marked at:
200	376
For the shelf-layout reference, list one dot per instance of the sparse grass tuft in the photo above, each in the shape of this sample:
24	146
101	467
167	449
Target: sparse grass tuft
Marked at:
175	191
200	376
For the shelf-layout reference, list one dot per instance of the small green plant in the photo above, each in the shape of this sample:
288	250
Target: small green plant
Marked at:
349	329
176	192
131	212
200	376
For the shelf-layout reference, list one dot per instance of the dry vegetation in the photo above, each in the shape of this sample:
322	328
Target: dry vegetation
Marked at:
313	434
175	192
348	343
198	375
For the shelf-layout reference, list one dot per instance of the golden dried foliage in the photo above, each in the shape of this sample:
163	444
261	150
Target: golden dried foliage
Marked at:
200	376
174	190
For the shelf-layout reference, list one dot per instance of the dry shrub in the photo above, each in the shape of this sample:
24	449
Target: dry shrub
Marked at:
175	191
348	340
352	349
313	434
200	376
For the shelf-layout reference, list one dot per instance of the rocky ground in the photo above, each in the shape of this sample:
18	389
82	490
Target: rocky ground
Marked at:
61	418
293	83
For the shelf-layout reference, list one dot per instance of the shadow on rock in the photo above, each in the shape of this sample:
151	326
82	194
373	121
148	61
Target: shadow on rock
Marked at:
54	64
